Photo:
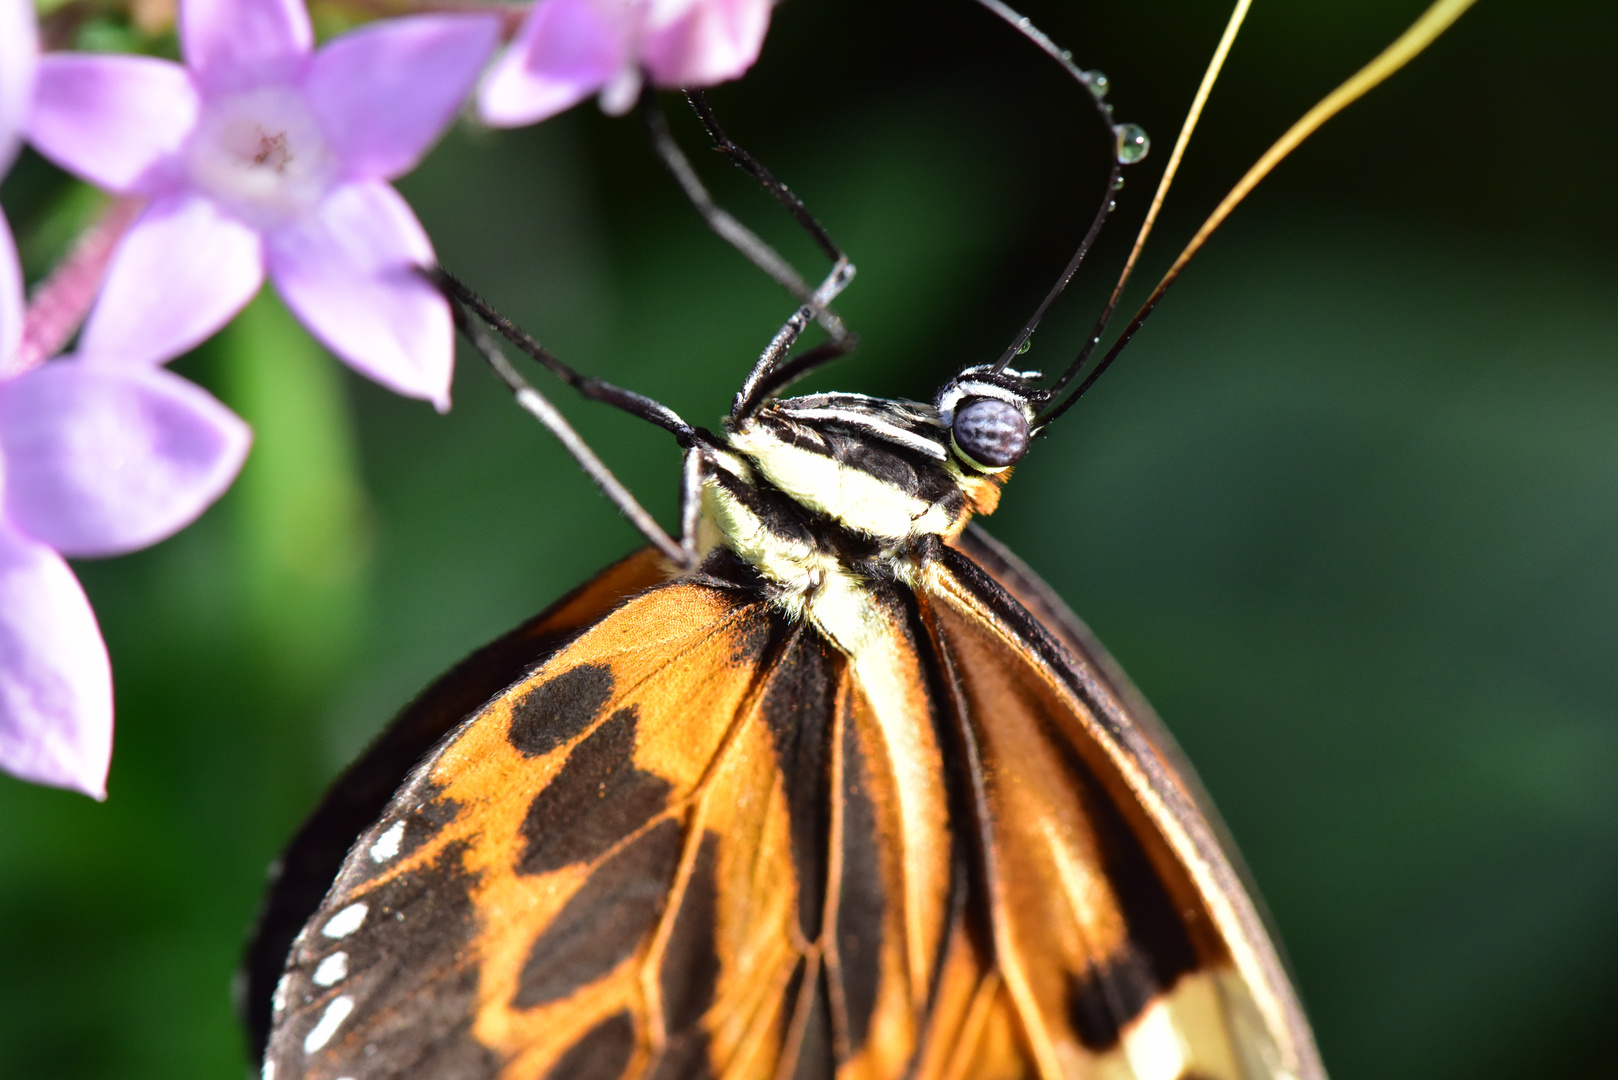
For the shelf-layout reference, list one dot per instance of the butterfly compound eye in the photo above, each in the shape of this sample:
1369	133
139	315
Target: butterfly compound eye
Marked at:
991	432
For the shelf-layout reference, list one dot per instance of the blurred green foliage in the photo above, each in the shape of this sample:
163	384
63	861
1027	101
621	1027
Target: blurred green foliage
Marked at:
1348	510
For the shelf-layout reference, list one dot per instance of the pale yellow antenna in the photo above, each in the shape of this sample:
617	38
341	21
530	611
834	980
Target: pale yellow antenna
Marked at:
1209	77
1421	34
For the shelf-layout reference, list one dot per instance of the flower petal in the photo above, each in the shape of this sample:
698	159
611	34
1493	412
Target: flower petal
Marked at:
11	300
55	682
237	44
386	92
565	51
106	458
180	274
117	121
711	41
19	55
349	273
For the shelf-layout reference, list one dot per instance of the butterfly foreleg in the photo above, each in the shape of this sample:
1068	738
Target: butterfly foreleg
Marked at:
723	223
540	407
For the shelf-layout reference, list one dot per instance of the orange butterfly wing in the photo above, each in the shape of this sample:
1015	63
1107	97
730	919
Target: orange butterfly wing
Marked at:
698	841
1125	937
312	859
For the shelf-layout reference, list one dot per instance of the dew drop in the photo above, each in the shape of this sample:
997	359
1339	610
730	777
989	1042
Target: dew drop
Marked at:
1118	184
1133	143
1098	83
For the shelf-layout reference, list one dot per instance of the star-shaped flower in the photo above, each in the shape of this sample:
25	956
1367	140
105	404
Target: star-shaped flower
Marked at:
261	155
96	458
570	49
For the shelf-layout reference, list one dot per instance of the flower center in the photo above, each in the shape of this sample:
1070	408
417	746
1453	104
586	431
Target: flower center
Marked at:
262	153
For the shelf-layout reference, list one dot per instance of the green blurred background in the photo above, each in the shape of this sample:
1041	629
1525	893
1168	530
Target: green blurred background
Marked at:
1347	511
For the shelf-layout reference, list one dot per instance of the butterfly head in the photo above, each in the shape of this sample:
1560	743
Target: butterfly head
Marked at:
990	415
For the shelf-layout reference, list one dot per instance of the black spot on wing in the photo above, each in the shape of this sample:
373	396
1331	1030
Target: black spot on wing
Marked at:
754	633
416	935
1116	989
684	1058
816	1058
862	901
797	706
602	1053
598	798
1107	996
604	922
690	969
559	708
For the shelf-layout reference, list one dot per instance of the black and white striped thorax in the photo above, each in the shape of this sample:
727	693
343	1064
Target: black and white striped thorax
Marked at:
851	484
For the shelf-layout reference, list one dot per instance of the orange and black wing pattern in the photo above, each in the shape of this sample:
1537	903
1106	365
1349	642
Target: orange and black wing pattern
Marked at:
699	841
1124	936
302	875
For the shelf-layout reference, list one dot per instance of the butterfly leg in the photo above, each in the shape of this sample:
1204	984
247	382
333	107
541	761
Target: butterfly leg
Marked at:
724	224
588	386
540	407
770	374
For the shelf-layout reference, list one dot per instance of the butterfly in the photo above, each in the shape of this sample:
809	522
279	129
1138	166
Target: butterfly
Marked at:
831	785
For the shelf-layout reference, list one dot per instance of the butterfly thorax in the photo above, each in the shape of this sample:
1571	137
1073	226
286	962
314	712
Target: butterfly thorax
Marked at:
821	494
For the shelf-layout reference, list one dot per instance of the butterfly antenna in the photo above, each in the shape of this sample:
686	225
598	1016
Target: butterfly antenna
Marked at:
1422	33
1192	116
1130	146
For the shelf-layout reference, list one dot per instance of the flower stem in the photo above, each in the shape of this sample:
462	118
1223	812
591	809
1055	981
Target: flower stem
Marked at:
60	302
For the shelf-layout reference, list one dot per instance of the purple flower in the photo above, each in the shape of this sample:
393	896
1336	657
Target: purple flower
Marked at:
264	156
19	56
570	49
95	459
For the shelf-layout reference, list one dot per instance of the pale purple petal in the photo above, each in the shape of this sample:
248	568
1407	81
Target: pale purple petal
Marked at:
237	44
11	298
565	51
106	458
182	271
55	682
117	121
711	41
349	273
19	54
385	93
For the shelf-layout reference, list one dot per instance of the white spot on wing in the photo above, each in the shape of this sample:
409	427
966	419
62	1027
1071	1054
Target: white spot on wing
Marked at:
332	970
1153	1046
346	921
269	1071
329	1022
278	1000
387	845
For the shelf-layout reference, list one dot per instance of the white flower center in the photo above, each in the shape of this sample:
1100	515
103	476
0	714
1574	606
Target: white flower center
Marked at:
262	153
